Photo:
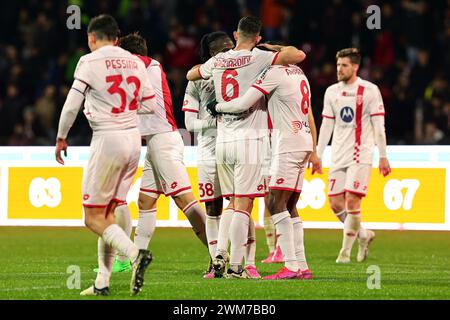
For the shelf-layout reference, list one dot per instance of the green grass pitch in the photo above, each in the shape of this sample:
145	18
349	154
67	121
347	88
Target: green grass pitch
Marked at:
414	265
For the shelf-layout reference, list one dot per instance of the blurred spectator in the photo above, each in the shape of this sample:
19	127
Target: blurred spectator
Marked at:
409	58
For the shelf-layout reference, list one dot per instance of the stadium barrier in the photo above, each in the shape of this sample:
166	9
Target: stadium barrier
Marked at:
36	191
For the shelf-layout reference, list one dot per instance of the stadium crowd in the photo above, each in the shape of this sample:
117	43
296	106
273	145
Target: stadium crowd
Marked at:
408	58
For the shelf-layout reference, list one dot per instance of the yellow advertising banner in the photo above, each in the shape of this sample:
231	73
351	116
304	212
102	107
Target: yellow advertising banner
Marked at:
44	193
408	195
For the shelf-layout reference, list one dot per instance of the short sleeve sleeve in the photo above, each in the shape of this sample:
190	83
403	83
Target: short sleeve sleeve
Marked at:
82	72
268	81
206	69
264	58
328	106
376	105
191	101
148	92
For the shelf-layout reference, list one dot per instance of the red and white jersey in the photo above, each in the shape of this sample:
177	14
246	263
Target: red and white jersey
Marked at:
289	102
352	106
197	96
162	120
233	73
117	82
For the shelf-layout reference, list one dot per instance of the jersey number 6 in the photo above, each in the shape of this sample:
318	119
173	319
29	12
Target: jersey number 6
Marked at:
228	78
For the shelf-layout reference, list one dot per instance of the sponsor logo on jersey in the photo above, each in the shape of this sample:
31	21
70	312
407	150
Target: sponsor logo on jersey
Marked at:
296	126
347	114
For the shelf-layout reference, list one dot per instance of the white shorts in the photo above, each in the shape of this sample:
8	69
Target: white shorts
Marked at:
353	179
164	171
208	181
113	161
288	170
239	165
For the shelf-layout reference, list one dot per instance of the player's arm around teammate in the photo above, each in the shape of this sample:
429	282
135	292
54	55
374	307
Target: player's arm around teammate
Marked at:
285	55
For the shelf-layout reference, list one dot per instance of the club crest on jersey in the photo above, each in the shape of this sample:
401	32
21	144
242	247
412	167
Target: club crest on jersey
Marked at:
347	114
296	126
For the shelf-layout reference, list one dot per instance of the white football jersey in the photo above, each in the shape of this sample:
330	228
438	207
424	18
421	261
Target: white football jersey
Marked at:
117	82
352	107
289	101
198	95
162	120
233	73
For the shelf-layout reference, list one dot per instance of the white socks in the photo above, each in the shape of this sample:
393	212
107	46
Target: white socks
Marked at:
351	228
251	244
238	237
224	232
115	237
283	225
123	219
269	229
212	233
145	228
105	264
196	216
341	215
297	226
362	234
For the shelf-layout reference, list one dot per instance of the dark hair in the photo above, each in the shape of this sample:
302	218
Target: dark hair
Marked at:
104	27
212	43
351	53
249	26
134	43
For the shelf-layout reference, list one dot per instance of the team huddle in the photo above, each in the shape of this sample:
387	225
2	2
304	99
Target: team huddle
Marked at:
251	106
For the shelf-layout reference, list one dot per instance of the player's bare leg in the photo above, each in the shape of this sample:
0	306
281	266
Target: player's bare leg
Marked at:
123	220
213	215
221	258
147	220
351	226
239	236
102	222
365	236
297	224
271	237
278	207
194	213
250	267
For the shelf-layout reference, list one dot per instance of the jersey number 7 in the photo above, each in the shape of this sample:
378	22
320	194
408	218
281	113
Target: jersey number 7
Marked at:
116	89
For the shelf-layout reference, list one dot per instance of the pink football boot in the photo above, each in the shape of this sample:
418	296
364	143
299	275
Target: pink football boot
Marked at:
283	274
269	258
277	256
252	273
304	275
